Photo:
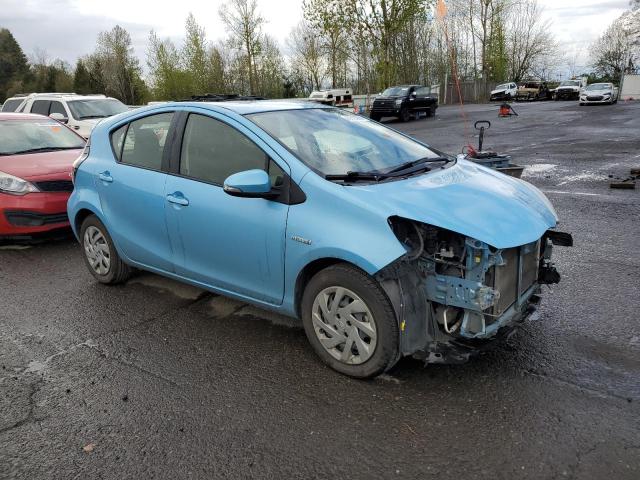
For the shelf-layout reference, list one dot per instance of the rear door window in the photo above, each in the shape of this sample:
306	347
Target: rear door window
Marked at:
41	107
144	141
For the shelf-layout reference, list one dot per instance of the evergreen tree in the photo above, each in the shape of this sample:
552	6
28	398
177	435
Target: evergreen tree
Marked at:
13	62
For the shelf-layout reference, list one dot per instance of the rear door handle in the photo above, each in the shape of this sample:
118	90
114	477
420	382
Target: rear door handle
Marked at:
178	199
105	177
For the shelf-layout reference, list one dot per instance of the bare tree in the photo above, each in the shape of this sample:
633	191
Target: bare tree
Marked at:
244	23
307	56
529	39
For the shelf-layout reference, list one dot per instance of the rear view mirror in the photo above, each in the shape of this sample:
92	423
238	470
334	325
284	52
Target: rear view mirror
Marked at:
250	183
59	117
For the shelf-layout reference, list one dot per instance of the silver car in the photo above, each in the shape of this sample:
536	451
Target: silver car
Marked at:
599	93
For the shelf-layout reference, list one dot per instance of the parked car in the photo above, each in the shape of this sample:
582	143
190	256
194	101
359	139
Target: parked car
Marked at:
79	112
599	93
36	157
504	92
533	90
336	97
404	102
381	244
569	90
12	104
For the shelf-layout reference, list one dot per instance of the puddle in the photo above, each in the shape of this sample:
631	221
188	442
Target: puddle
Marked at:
179	289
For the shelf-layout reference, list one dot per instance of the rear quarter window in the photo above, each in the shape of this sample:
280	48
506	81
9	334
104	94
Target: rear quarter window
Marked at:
117	139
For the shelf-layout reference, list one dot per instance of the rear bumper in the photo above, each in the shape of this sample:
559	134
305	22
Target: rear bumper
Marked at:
23	215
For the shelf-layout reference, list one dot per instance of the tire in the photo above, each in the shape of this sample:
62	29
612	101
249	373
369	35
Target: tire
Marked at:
376	318
375	117
431	111
405	116
97	246
581	104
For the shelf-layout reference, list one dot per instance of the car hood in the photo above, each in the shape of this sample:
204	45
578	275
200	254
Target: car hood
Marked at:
568	87
597	92
475	201
34	165
499	90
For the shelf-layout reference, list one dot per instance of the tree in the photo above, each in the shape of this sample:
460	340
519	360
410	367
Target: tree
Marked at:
530	42
326	19
13	62
382	20
117	66
307	55
81	79
194	56
614	53
244	23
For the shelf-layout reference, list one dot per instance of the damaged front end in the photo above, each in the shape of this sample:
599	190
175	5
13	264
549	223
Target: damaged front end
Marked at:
452	294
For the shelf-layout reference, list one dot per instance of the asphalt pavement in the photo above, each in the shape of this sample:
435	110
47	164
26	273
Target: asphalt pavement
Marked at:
154	379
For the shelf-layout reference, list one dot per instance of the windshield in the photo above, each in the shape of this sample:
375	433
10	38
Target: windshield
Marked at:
598	86
334	142
504	86
20	136
570	83
96	108
395	92
12	105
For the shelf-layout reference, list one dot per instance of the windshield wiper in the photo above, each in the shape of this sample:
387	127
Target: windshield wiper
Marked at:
85	117
356	176
413	163
41	149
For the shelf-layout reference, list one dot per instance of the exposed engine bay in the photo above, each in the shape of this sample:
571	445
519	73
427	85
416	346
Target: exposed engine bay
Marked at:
471	292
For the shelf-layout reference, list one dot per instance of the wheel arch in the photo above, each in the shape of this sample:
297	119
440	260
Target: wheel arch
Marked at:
307	273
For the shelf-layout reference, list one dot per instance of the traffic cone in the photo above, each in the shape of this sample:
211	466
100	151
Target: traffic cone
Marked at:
506	110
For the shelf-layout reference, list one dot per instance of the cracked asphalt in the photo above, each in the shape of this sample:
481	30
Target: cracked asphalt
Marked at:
154	379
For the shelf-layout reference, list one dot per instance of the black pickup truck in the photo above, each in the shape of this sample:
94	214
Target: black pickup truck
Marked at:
404	102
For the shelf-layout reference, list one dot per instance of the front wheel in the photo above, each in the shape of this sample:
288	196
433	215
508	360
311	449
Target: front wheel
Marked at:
405	116
100	254
350	322
375	117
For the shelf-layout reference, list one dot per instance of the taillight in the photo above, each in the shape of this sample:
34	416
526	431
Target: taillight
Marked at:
78	161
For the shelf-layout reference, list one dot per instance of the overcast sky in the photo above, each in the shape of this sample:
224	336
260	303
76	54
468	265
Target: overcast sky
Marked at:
67	29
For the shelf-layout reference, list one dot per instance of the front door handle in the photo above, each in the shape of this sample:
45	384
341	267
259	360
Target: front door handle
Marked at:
105	177
178	199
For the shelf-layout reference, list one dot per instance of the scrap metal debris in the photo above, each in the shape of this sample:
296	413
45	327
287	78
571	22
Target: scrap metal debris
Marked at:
628	183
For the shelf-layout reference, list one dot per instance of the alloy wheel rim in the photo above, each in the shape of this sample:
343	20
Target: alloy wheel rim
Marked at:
97	251
344	325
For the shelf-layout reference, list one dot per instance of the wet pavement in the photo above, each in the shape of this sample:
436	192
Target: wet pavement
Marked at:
154	379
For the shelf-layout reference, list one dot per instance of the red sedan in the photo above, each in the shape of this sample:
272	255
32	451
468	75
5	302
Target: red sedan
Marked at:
36	157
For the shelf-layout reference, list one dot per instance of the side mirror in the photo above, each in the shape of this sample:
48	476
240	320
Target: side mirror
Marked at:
59	117
414	94
250	183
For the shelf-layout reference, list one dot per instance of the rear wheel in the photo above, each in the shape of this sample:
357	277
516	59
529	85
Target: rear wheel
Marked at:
100	254
350	322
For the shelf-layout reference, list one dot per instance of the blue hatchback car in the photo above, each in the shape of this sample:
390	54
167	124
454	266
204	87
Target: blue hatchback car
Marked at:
383	246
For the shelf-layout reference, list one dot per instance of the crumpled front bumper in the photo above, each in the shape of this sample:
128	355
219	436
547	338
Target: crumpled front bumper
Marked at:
499	290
